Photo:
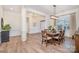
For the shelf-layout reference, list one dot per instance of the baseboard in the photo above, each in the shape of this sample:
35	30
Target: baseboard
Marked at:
34	33
15	36
68	37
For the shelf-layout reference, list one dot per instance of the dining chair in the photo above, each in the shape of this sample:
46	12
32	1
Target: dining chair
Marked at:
60	38
45	37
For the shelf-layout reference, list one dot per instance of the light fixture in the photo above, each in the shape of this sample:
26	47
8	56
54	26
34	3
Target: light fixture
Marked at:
54	13
11	8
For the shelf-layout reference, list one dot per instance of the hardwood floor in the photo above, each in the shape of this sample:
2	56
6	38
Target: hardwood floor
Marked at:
33	45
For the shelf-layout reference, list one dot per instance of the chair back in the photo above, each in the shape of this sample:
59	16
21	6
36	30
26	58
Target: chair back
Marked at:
43	33
61	34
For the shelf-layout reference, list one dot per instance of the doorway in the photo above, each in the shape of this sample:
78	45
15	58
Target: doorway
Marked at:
42	25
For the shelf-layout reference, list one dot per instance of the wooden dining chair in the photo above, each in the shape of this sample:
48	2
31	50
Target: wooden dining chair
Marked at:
60	38
45	37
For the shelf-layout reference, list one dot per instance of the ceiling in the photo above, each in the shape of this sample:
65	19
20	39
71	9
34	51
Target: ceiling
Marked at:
48	9
14	8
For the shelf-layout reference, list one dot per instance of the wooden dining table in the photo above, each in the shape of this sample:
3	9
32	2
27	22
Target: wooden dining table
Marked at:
52	34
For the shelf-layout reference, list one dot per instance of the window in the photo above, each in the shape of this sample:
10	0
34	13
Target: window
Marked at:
63	22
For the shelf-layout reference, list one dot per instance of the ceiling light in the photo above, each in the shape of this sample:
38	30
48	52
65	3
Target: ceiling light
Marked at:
53	17
11	8
54	13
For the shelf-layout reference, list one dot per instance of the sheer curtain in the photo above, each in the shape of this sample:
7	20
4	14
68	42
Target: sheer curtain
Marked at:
63	22
72	23
68	22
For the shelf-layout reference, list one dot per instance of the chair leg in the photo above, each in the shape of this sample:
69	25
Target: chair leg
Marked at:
59	43
42	41
53	41
46	43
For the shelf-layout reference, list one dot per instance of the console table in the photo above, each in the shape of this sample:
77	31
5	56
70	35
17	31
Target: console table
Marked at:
76	42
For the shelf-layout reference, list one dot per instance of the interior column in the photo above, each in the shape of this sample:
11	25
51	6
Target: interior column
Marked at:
24	25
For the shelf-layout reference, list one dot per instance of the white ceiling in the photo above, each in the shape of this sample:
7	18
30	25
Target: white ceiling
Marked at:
48	9
14	8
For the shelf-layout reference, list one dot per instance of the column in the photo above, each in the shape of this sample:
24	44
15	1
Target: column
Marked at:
24	25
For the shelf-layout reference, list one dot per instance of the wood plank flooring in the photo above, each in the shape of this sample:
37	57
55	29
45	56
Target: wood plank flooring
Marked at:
33	45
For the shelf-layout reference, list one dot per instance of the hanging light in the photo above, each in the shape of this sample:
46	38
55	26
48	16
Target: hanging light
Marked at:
54	13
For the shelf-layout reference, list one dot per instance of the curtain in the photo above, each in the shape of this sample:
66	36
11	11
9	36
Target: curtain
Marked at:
72	23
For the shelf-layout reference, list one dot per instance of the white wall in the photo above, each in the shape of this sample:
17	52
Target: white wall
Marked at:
1	15
36	17
14	19
34	22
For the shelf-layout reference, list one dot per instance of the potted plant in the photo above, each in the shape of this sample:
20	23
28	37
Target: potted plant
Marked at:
52	29
5	29
5	33
49	28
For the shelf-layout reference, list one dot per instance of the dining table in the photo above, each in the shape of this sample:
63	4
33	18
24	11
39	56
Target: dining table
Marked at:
52	34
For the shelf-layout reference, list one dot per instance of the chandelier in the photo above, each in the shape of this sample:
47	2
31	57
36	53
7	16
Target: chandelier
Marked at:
54	13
